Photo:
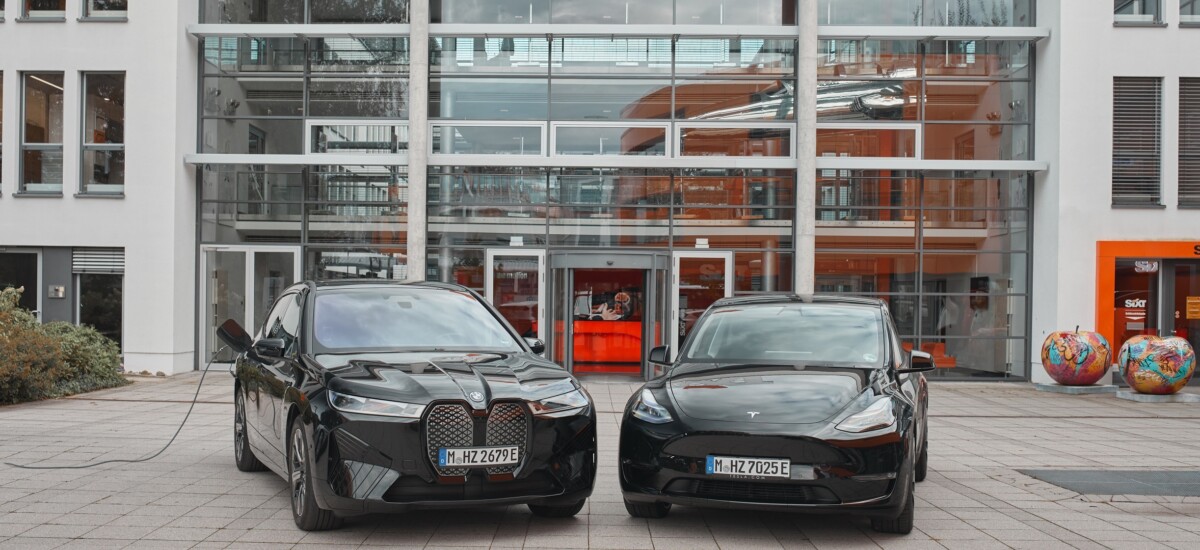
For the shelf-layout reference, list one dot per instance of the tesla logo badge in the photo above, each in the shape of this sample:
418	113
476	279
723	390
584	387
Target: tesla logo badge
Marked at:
752	414
476	396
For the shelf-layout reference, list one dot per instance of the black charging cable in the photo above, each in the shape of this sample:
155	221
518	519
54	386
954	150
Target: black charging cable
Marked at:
195	398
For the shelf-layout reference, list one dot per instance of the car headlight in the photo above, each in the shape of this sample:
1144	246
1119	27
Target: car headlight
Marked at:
876	416
647	409
379	407
565	404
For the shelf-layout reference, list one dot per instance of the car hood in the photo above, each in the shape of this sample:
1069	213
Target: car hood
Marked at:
767	394
420	378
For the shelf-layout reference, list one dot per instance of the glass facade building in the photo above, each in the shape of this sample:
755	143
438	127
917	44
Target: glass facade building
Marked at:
603	170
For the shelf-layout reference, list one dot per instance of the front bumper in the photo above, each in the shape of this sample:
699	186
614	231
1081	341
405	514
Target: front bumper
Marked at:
831	472
372	464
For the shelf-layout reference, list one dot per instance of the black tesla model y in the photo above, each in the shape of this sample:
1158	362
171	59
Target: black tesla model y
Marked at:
782	403
379	397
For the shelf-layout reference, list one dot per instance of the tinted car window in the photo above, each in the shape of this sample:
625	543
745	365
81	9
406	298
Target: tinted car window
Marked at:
405	318
284	322
802	333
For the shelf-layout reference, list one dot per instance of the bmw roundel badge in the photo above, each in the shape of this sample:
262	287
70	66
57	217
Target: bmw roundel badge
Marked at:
476	396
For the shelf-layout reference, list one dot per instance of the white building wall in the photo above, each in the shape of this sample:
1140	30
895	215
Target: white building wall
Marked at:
155	221
1073	200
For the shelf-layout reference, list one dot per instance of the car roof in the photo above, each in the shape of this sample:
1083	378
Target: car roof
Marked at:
776	299
332	284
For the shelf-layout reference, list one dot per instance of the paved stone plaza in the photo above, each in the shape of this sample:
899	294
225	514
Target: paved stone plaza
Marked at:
980	435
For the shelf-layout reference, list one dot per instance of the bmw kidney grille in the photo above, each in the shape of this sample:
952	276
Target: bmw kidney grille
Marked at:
451	425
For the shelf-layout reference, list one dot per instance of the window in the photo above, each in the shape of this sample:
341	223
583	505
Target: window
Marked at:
1136	11
108	9
103	158
1137	141
1189	12
42	135
1	117
1189	142
46	9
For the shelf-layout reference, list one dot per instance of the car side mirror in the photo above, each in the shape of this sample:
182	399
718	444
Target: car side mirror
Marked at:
660	355
538	346
234	336
269	347
918	361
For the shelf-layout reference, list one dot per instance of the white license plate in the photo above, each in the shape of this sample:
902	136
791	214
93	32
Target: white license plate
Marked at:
477	456
749	467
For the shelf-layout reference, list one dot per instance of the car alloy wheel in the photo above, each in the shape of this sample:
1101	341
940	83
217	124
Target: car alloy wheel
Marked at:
242	455
308	514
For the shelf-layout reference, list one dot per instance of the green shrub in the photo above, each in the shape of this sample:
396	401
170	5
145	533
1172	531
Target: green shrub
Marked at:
28	358
90	360
39	361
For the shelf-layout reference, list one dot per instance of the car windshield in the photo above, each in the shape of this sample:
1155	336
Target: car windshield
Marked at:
790	333
403	318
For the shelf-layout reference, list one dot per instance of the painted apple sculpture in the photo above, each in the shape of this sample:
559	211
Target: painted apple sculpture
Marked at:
1076	358
1157	365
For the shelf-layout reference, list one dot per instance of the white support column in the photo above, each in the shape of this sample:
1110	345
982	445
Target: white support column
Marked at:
806	148
418	136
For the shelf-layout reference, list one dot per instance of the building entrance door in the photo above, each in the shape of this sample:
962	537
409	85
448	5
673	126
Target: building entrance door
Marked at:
700	278
1181	300
241	283
515	283
606	311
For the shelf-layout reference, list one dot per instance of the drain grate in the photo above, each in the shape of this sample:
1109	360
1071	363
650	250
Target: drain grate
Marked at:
1110	482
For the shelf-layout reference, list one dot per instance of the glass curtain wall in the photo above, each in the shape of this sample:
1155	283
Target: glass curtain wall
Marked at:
956	281
304	11
309	95
749	212
950	99
952	13
616	12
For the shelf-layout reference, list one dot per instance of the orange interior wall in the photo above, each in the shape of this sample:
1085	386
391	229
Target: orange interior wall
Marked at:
1107	253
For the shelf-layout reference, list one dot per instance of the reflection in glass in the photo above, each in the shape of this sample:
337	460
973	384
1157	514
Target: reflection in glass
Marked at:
359	138
865	273
868	58
515	293
613	187
373	224
357	97
859	142
104	8
42	170
479	54
614	12
273	273
600	140
869	12
376	55
1137	11
252	184
253	136
100	303
735	12
765	271
973	100
701	283
490	11
375	184
357	263
977	141
725	57
744	100
612	55
991	58
606	226
734	189
259	11
45	8
43	108
487	140
735	142
358	11
851	100
249	96
104	171
608	99
227	294
1189	11
230	54
488	98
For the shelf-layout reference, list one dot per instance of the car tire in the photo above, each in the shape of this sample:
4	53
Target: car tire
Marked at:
564	511
922	468
653	510
901	524
243	455
305	511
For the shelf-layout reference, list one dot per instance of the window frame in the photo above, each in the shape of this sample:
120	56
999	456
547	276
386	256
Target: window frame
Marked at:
28	14
90	14
1138	20
1123	142
51	147
86	146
